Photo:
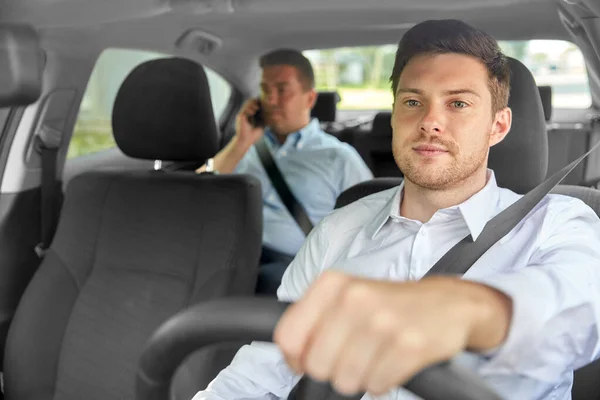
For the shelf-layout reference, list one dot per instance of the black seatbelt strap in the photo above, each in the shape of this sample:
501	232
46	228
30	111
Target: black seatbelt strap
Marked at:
48	144
281	187
465	253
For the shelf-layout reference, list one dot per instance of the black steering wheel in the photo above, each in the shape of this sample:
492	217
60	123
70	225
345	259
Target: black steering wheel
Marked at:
255	319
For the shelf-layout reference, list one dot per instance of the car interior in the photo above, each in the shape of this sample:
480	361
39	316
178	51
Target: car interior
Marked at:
107	234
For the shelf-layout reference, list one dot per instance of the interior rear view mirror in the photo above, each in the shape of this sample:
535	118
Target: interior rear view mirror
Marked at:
21	65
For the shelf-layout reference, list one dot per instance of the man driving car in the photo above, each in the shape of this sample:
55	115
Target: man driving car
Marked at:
523	317
316	166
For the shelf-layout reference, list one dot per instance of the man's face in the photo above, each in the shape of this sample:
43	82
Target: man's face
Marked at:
286	103
442	120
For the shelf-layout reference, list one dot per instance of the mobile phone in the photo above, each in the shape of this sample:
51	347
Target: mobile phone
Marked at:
257	120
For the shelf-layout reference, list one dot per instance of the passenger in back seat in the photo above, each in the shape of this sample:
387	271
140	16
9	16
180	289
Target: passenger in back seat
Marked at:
523	317
316	166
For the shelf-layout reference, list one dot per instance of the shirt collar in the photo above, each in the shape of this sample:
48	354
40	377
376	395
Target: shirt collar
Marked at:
391	209
476	211
296	139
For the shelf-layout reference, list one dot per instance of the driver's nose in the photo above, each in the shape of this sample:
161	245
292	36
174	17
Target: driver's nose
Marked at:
432	120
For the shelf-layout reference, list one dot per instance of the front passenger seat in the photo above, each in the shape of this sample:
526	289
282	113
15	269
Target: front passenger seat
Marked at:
133	248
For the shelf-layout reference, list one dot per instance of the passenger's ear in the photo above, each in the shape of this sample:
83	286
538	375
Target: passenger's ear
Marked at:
312	98
501	125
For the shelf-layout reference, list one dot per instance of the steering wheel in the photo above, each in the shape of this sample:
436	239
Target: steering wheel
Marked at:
255	319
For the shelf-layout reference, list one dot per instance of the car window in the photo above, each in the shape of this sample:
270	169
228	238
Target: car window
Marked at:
93	129
556	63
361	74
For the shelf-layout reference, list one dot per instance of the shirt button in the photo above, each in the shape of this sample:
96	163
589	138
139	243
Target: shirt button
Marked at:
423	233
283	153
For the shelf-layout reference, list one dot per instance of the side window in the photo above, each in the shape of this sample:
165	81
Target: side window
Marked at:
554	63
93	129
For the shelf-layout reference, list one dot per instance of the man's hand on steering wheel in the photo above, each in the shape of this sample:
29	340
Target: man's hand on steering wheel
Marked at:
366	335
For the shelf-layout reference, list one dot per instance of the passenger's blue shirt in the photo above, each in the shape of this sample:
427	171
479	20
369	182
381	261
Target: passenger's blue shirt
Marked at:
317	167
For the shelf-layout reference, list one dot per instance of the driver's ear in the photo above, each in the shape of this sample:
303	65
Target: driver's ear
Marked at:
501	126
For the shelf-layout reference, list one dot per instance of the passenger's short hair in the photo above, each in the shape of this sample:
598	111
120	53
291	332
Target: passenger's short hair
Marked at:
294	58
454	36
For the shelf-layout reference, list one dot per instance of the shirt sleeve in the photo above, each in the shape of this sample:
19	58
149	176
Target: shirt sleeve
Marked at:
259	371
555	325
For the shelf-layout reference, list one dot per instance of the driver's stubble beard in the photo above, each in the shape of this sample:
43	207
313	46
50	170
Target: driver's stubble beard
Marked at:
440	177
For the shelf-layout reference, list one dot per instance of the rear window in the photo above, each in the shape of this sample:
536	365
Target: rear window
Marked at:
361	74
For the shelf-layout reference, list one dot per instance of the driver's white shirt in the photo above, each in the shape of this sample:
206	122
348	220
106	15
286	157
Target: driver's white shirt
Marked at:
549	265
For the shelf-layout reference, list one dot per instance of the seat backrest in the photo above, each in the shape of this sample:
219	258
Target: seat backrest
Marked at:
546	98
375	146
566	141
132	249
366	188
325	108
589	196
527	138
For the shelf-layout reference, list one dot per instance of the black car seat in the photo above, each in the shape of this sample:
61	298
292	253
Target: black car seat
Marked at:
375	146
519	162
133	248
325	110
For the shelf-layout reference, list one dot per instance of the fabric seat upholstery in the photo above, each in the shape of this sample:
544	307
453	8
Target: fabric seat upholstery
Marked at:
132	249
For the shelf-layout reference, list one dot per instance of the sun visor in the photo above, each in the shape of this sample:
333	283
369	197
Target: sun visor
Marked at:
21	65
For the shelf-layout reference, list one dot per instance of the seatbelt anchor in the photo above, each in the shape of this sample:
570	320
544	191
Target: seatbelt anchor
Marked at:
47	138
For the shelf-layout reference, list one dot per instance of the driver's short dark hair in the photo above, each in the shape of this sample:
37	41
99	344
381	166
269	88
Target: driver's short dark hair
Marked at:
294	58
454	36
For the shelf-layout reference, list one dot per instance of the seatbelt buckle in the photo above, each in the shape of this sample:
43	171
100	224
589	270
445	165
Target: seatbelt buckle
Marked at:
40	250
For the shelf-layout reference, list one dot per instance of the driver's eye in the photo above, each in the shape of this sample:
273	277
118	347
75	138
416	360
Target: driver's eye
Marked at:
459	104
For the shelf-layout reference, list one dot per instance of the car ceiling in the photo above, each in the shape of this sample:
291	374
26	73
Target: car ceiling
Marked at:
246	28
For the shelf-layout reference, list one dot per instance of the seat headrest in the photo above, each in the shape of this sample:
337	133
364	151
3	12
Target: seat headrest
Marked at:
325	107
382	124
520	161
21	66
546	96
163	111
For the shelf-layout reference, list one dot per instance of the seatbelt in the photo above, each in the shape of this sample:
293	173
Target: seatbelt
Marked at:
281	187
48	143
592	164
465	253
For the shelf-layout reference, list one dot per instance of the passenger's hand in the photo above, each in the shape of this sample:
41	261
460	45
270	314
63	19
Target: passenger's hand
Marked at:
373	336
246	134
